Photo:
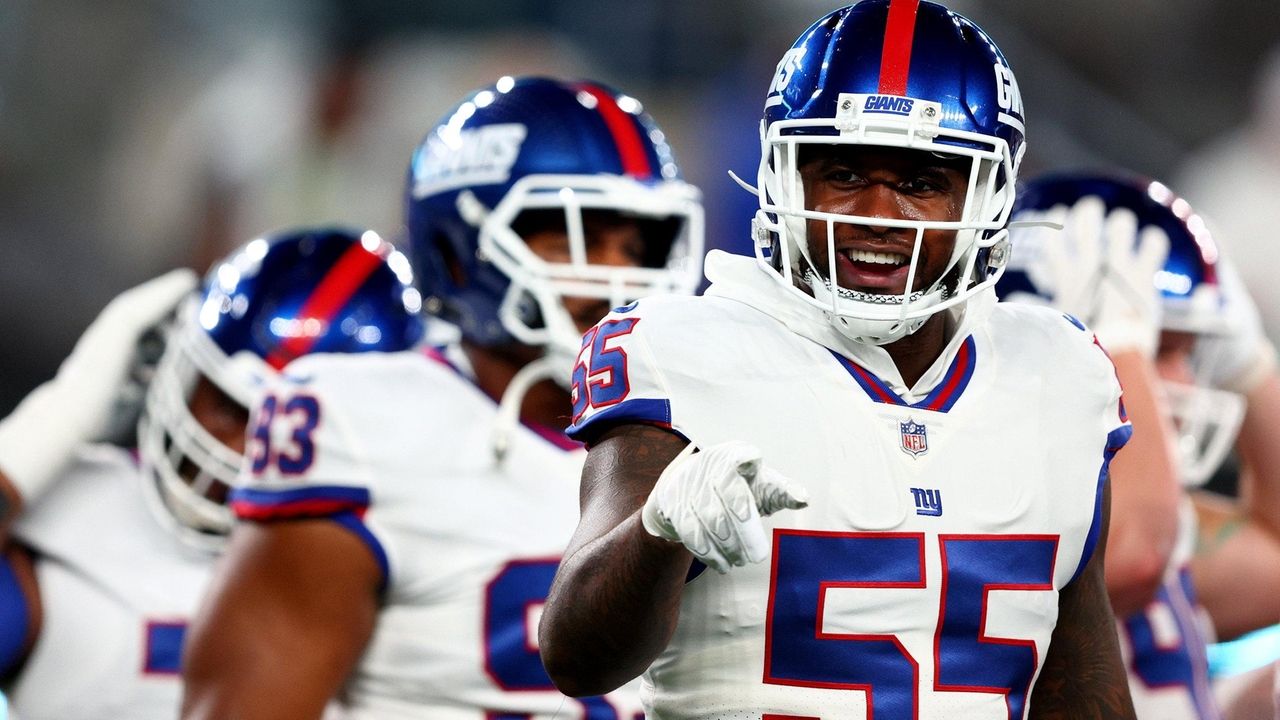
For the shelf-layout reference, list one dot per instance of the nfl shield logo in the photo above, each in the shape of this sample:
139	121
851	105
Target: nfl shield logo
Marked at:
914	440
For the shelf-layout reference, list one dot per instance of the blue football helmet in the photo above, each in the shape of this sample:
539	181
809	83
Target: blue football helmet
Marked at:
902	74
1206	419
526	145
1188	283
275	299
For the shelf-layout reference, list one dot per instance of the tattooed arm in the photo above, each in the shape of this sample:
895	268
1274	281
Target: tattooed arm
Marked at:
616	596
1083	677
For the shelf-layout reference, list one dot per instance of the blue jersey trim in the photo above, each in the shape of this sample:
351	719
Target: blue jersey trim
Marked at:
643	410
941	399
355	524
1116	439
344	505
264	504
163	654
15	616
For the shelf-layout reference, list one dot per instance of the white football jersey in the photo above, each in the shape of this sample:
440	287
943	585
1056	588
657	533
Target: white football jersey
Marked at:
397	448
922	579
1165	644
116	590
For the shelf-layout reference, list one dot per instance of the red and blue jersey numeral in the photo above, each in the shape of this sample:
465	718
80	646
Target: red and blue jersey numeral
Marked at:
966	658
510	635
807	565
302	412
797	649
600	377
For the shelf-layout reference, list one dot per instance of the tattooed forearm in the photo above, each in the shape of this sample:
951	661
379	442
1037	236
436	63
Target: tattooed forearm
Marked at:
616	595
1083	677
623	466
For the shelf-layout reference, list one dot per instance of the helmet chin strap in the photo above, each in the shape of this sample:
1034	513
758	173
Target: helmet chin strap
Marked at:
545	367
875	331
555	364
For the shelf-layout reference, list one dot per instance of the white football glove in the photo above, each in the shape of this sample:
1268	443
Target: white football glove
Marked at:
711	501
1102	276
37	439
1241	357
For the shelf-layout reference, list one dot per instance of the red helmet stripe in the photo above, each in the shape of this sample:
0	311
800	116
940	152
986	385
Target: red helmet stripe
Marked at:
895	58
626	134
335	289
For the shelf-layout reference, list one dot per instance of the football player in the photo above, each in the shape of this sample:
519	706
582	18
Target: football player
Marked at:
937	462
1128	264
108	588
407	562
1236	568
1210	356
1223	376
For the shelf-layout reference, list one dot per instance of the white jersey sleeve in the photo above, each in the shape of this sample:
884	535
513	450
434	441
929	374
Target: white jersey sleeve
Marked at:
616	378
1104	400
317	437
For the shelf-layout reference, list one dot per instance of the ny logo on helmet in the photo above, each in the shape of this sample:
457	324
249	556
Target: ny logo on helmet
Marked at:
782	76
1008	96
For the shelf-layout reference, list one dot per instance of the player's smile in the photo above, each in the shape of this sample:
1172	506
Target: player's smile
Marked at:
868	267
890	183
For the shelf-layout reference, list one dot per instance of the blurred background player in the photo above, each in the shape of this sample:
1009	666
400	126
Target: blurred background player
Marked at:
439	489
1236	566
1237	562
1196	334
947	443
108	585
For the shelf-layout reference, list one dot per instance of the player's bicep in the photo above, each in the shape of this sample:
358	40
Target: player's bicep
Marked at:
1083	675
304	461
284	623
619	474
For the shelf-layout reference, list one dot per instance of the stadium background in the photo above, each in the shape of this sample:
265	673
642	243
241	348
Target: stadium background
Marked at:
142	134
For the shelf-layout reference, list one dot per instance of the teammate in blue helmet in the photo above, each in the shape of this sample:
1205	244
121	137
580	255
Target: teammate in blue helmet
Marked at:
1186	320
1113	252
108	586
848	430
512	203
276	299
403	566
1185	298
